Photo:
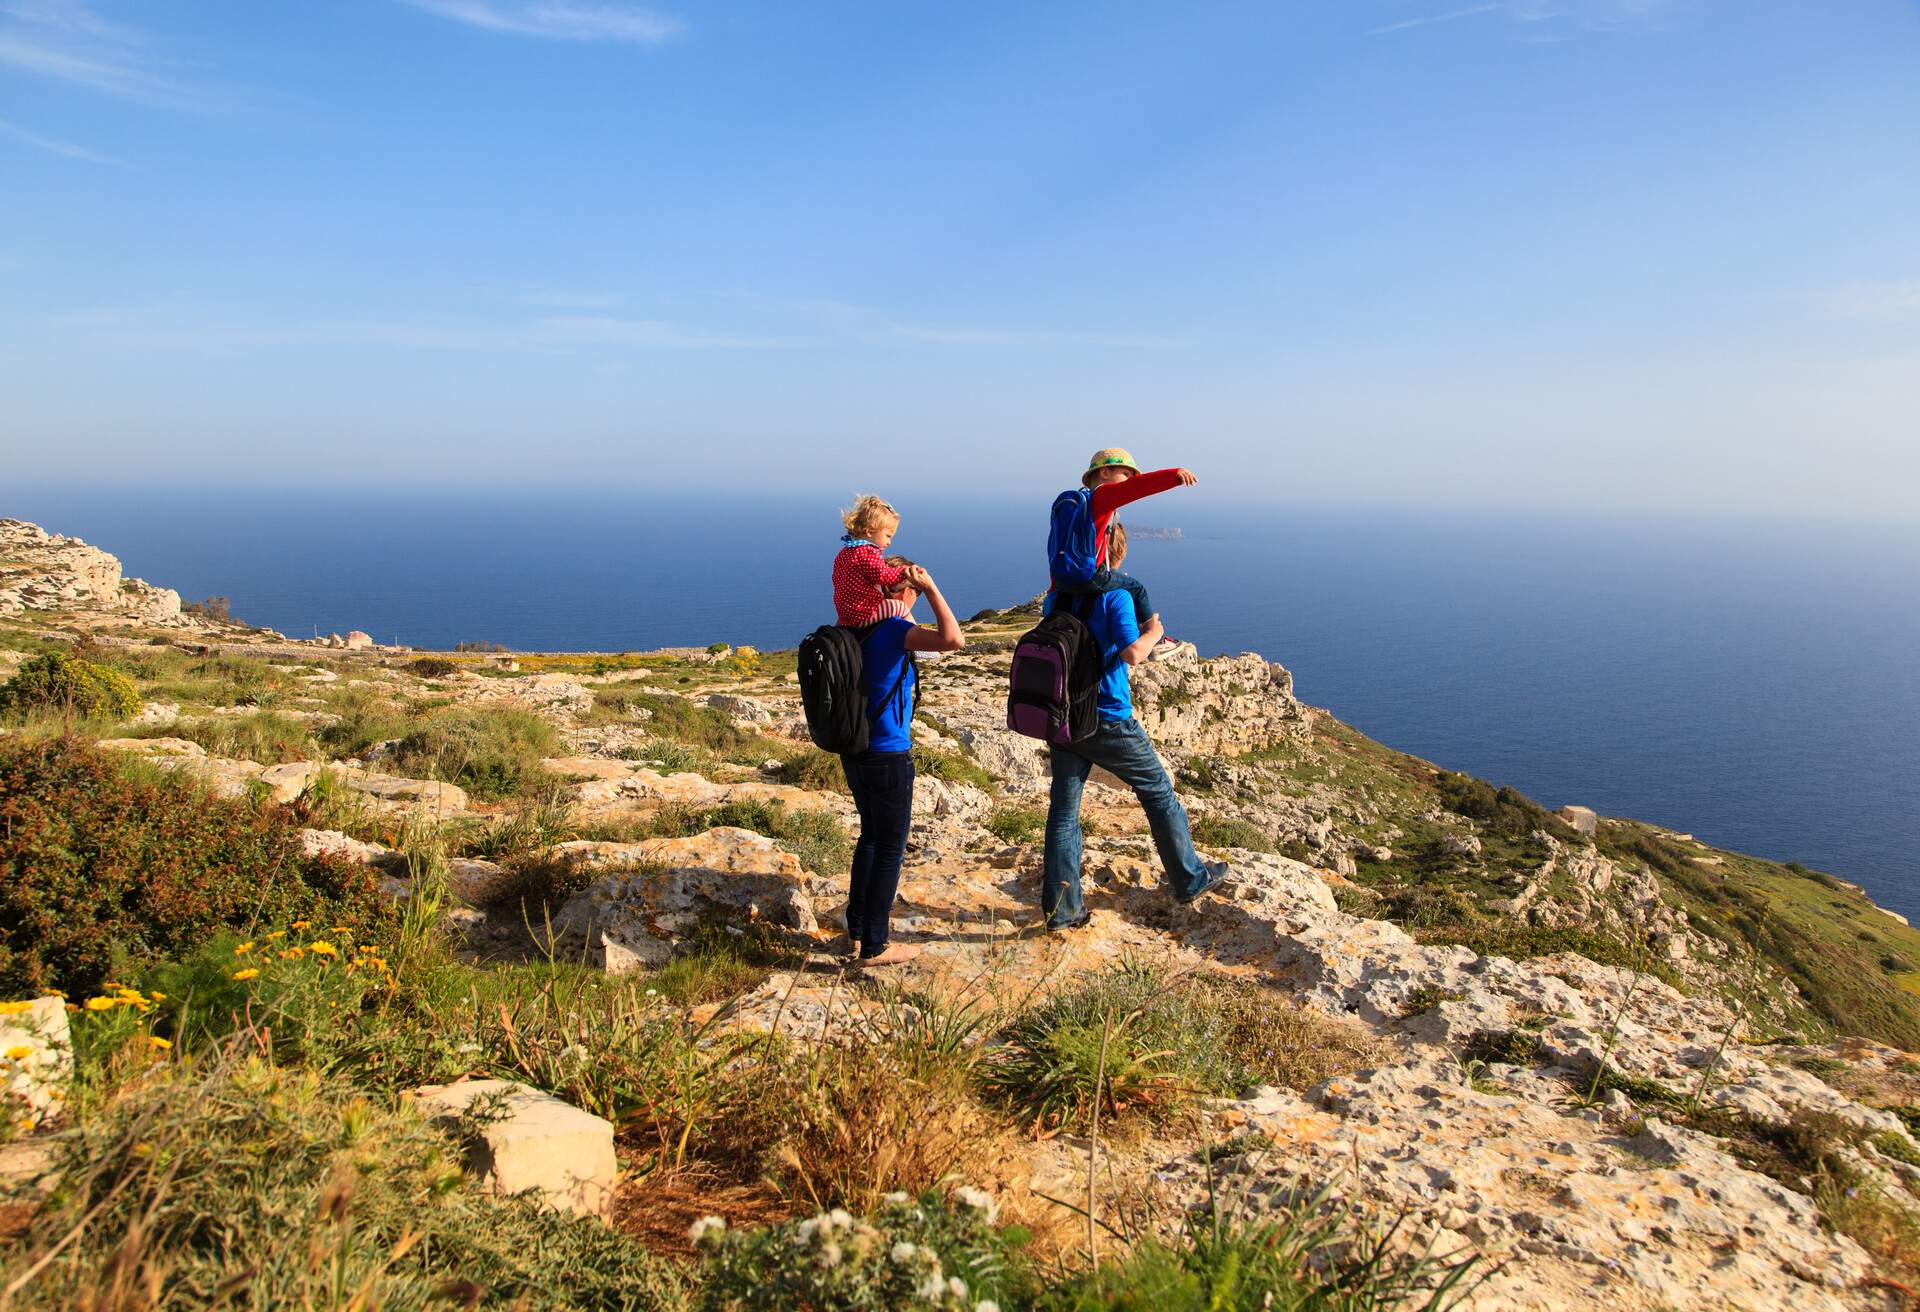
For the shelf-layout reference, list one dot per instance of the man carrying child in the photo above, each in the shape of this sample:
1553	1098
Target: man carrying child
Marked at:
1121	747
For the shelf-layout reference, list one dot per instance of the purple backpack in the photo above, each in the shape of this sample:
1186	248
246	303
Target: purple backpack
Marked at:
1054	688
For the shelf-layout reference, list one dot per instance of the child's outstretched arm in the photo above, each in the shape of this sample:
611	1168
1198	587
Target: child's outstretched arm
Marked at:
1109	497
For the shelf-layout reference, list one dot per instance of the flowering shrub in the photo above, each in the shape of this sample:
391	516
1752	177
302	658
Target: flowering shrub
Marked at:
61	683
104	866
304	990
924	1253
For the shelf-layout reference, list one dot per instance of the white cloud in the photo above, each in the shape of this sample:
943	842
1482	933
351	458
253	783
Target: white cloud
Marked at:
561	20
66	41
1561	15
175	330
1434	18
53	147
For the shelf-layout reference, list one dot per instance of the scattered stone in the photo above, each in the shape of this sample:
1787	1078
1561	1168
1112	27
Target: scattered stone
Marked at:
520	1140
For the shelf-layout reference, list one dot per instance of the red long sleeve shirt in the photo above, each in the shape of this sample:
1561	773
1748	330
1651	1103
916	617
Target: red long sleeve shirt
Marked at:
859	575
1109	497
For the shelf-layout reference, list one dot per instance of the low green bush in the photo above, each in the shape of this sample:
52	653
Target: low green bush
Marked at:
60	683
106	862
493	752
284	1189
366	717
1312	1257
1167	1039
683	721
1231	831
813	769
953	767
1017	824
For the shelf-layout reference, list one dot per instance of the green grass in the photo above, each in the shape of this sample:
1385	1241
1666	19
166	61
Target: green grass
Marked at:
1017	824
816	837
1231	831
284	1189
492	752
1167	1039
264	736
1802	924
953	767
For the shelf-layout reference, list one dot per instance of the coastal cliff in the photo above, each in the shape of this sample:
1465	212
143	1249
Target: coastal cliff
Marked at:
1597	1060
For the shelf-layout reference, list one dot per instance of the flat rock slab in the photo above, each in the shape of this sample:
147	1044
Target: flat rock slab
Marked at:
652	892
523	1140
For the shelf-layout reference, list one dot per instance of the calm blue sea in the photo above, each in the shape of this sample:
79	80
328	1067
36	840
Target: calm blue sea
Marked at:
1754	683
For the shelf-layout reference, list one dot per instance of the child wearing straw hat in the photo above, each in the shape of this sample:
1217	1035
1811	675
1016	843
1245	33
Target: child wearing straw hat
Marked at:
1112	480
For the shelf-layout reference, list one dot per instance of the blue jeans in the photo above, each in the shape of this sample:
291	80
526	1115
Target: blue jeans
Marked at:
882	785
1120	746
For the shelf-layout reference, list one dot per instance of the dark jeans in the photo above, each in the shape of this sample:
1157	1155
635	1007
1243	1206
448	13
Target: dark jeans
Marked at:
1112	580
882	785
1120	746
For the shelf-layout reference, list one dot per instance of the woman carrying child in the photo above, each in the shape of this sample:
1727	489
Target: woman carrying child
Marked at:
881	778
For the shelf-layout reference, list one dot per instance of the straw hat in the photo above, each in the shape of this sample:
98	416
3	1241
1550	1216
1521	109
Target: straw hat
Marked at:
1108	457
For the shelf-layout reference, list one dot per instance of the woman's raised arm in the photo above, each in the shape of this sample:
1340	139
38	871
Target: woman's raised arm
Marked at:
945	635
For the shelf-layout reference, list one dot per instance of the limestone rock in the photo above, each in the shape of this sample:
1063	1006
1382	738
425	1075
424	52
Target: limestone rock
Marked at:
526	1141
45	571
1582	819
357	640
36	1060
477	882
659	889
748	710
607	782
331	842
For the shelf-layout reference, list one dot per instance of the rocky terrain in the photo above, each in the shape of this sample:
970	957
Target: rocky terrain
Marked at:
1618	1066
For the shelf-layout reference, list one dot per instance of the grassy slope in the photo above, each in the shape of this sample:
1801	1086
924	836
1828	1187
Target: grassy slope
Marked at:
1857	967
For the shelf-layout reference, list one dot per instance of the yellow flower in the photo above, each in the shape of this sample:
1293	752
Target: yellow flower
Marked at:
278	933
321	948
19	1051
345	930
157	996
301	924
102	1004
243	949
13	1008
248	973
294	954
159	1042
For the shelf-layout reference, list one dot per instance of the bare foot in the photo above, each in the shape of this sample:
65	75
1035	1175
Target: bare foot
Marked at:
895	954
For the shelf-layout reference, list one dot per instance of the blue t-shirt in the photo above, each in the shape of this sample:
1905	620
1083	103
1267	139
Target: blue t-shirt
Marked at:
891	712
1110	616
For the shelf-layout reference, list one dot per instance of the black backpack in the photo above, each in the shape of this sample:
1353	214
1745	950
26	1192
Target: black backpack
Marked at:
1054	687
833	688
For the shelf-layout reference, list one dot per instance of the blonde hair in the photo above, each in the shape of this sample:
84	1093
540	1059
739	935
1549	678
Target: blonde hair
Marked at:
867	513
1116	544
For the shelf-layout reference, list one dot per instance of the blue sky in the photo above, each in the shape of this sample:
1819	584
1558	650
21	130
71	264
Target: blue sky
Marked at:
1540	253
